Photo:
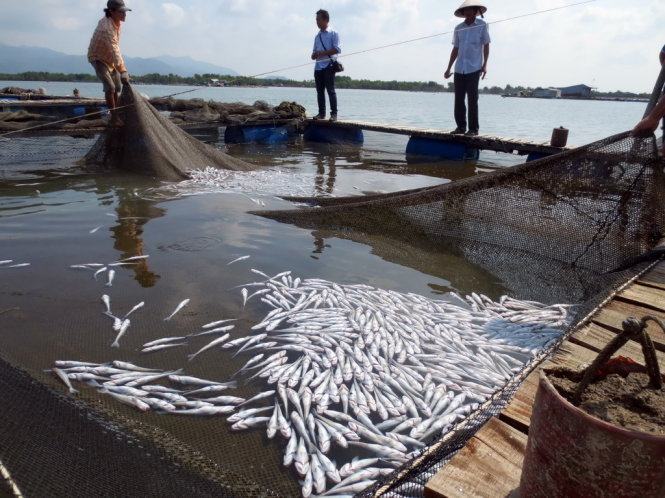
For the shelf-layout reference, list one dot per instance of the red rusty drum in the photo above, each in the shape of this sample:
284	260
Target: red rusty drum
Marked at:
573	454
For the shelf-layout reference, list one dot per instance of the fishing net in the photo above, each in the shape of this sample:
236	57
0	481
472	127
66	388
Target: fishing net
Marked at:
552	230
569	228
145	141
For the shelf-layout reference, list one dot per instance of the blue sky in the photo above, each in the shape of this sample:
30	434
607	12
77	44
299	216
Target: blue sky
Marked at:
610	44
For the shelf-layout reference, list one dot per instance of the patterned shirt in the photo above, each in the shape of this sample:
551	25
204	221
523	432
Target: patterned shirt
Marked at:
470	40
324	41
105	45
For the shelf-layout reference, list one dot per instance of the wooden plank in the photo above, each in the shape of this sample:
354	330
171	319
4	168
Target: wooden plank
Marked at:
596	337
489	465
655	278
518	412
648	297
613	315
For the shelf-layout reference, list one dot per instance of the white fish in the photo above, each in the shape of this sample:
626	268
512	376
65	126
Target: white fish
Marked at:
212	344
128	366
244	296
207	411
72	364
111	277
165	340
259	396
179	307
218	323
107	302
180	379
248	423
290	451
214	388
301	459
307	484
214	331
101	270
243	258
130	400
134	258
63	377
96	229
21	265
162	347
135	308
6	261
123	330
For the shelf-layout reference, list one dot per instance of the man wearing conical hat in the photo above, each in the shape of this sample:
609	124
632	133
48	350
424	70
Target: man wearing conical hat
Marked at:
471	49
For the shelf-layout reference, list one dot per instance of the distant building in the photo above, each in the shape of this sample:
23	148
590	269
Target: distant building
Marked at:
576	91
547	93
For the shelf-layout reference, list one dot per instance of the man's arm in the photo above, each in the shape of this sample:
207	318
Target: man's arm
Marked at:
486	50
453	58
649	124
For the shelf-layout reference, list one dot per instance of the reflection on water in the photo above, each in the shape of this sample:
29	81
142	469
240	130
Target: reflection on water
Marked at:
133	214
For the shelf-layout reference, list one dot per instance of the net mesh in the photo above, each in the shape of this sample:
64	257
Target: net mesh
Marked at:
552	230
555	230
147	142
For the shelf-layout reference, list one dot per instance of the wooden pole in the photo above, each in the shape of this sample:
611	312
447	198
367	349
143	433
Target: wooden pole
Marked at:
657	92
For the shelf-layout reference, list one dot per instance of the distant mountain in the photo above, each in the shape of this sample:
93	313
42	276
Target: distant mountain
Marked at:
22	59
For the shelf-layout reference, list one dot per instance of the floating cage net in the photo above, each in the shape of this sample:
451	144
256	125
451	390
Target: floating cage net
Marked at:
570	228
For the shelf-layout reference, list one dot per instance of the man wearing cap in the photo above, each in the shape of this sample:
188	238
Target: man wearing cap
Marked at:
104	52
471	50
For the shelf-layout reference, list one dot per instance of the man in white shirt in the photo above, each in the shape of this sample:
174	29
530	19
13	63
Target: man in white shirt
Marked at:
326	48
471	50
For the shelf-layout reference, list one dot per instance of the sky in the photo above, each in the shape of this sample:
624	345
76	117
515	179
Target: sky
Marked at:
607	44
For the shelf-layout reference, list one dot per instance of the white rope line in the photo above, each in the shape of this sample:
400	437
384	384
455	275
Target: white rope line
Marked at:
4	472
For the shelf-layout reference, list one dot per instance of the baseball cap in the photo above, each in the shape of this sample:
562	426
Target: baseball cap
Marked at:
117	5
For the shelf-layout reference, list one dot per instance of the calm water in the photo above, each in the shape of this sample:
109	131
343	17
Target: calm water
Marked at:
526	118
48	208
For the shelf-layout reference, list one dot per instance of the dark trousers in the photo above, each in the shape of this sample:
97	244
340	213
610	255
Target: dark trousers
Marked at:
325	80
466	85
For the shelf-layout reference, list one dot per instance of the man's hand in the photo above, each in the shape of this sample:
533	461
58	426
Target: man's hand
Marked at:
124	78
314	55
645	127
447	74
483	71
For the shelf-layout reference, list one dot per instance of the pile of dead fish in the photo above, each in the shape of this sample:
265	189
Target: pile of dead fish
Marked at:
372	370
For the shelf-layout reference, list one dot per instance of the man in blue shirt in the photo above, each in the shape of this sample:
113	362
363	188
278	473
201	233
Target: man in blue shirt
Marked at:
326	48
470	54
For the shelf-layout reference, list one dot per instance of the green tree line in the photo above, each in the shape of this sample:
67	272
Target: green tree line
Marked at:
245	81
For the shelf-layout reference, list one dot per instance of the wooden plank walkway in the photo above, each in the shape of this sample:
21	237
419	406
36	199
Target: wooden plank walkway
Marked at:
484	142
490	465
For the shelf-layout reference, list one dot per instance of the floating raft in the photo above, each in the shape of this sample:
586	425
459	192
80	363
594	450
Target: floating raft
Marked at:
428	140
490	464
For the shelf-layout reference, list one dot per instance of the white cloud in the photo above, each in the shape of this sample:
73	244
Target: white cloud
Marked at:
608	44
174	15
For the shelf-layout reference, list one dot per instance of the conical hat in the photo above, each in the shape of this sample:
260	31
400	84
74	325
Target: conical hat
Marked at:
470	3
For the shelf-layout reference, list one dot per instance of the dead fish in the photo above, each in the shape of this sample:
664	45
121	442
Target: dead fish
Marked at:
242	258
161	347
244	296
123	329
217	323
101	270
128	366
96	229
180	306
135	308
63	377
111	277
134	258
214	343
107	302
6	261
166	340
21	265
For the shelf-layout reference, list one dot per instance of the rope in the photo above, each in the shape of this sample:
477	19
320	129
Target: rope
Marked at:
427	37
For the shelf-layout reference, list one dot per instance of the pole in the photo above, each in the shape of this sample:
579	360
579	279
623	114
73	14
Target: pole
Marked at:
657	92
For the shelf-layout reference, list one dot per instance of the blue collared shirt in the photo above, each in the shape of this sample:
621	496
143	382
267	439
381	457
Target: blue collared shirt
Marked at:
330	40
470	40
